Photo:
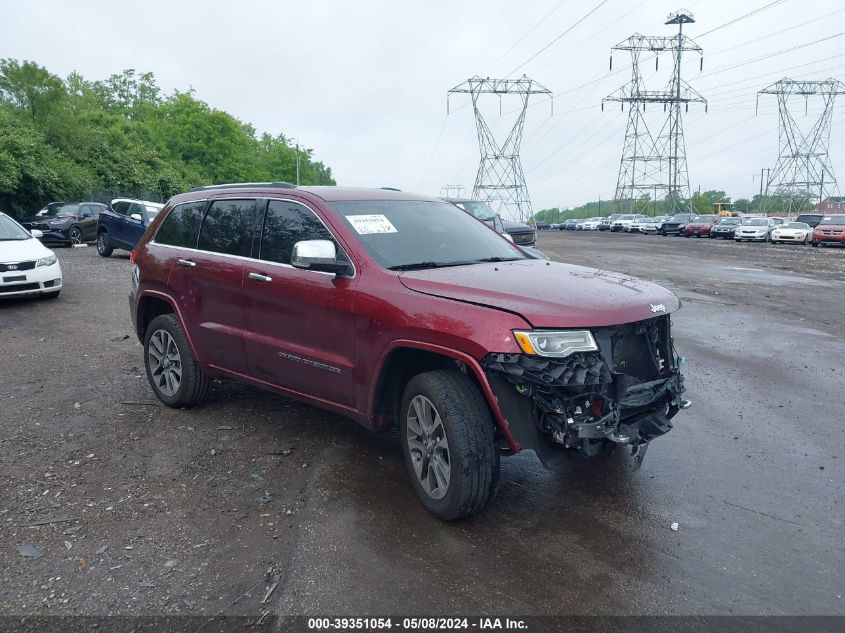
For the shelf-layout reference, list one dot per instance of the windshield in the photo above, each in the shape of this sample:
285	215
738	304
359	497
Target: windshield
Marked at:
833	219
408	234
11	231
477	208
756	222
51	211
795	225
730	221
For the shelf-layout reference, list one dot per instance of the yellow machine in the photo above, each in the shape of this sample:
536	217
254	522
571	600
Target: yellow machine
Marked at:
724	209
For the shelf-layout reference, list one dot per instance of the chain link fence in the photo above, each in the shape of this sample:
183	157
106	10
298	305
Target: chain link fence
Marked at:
106	196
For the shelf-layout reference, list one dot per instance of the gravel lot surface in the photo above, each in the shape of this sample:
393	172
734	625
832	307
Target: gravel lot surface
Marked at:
201	511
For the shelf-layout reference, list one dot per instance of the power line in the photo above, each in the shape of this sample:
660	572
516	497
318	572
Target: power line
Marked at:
593	10
742	17
521	39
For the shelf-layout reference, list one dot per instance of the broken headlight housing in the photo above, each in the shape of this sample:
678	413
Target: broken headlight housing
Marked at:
555	343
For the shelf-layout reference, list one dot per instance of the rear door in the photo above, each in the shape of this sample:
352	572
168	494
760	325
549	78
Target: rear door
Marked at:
299	323
116	224
208	282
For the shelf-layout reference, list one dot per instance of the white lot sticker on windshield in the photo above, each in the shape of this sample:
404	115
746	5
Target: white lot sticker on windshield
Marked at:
369	224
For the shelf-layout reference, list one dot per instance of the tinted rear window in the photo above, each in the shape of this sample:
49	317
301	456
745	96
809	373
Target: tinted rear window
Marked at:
181	226
227	227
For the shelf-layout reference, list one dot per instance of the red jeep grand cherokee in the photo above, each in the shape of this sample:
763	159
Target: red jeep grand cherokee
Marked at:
400	310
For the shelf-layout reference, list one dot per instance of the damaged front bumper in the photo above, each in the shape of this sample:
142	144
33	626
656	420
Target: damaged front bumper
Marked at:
624	394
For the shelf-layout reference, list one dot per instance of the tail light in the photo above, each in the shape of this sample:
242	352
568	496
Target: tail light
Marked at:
133	256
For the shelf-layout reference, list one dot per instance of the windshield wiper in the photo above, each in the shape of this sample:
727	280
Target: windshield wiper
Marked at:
425	265
500	259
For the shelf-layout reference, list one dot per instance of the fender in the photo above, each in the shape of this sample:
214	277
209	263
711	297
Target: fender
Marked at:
467	360
168	299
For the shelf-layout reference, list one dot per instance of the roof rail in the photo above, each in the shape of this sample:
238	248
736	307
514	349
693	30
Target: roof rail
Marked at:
246	185
390	188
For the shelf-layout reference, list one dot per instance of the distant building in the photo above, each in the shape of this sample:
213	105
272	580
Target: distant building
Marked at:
832	204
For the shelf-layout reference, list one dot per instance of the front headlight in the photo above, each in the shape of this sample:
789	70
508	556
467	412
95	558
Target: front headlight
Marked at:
555	343
46	261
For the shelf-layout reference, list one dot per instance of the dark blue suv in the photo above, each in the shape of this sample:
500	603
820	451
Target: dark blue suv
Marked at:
123	224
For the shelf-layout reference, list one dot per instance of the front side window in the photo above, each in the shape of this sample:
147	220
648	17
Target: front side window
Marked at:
182	225
120	208
227	227
408	234
285	224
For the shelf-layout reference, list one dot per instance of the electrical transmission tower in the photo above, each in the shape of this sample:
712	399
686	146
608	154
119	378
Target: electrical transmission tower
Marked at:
500	176
652	163
803	172
453	191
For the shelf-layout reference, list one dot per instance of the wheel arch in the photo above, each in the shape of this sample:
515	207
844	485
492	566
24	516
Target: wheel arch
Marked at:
403	360
153	304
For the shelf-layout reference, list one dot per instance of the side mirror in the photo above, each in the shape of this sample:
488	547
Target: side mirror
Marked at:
36	234
319	255
137	216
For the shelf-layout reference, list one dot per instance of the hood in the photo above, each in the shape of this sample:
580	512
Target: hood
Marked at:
22	250
547	294
43	219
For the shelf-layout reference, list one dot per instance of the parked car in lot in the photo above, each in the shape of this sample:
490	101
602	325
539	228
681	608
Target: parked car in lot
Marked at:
725	228
652	225
812	219
623	222
400	311
829	231
590	224
27	267
604	224
756	229
521	234
792	233
123	223
675	224
66	222
637	225
699	226
569	225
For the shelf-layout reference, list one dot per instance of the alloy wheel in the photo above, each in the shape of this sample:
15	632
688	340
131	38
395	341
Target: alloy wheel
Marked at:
165	363
101	243
429	448
76	235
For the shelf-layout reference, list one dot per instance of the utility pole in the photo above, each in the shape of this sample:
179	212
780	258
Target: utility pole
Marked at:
500	176
650	162
803	171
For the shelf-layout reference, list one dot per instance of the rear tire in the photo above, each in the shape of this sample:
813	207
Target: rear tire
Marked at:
171	369
447	440
103	247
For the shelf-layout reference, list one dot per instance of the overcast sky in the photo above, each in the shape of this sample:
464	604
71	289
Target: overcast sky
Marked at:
364	83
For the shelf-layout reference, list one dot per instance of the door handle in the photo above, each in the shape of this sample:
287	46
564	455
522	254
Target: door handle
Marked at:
187	263
259	277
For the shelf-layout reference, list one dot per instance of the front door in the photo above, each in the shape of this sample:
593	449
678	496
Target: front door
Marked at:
299	323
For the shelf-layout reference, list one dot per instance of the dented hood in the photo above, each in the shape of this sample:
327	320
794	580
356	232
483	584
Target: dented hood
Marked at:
548	294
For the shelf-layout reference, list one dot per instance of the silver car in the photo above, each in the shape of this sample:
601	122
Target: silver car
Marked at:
756	229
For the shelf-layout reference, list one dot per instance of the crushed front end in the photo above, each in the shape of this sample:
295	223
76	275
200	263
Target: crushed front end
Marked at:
624	393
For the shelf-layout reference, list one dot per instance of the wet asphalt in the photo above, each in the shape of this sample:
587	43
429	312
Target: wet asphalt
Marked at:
752	474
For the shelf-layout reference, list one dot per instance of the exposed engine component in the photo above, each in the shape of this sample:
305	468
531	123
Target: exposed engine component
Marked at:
591	402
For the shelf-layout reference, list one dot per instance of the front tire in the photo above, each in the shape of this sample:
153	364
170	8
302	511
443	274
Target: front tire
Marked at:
447	439
103	247
171	369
